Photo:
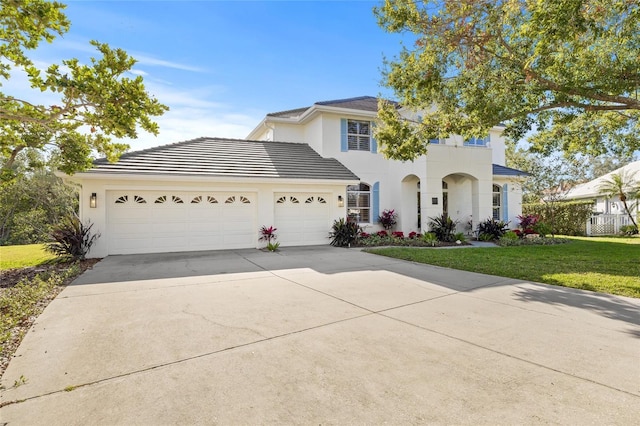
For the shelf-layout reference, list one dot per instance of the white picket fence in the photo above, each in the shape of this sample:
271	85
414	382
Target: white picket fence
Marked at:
606	224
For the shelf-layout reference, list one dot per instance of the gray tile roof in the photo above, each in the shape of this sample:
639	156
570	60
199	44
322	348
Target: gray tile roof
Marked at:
229	158
507	171
362	103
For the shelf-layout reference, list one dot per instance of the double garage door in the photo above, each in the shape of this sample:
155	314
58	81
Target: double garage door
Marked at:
171	221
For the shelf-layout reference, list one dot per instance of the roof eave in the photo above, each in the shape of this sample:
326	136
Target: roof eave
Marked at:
177	177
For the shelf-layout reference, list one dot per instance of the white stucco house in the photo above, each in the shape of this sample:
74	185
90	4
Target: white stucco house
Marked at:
298	170
590	191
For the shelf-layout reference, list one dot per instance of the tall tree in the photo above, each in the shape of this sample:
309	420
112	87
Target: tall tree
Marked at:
34	201
566	73
97	102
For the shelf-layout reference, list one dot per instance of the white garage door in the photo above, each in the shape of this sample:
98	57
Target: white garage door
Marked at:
168	221
302	219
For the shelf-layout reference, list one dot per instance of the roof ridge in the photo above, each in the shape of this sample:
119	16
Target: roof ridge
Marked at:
288	111
200	139
340	101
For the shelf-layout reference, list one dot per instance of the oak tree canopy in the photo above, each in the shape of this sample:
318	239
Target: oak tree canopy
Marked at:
564	74
98	101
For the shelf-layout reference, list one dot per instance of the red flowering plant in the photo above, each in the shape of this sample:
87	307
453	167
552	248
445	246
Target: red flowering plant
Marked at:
413	235
364	235
382	234
268	235
388	219
527	224
397	234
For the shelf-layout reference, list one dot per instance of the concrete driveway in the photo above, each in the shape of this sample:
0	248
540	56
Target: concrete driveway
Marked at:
322	336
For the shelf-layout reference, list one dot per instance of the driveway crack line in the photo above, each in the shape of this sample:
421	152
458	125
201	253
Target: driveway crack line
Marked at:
181	361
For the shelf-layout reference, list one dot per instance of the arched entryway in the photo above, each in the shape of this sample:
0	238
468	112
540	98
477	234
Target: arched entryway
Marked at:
460	199
409	216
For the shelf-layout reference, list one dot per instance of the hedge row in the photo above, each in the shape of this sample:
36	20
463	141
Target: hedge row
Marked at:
565	218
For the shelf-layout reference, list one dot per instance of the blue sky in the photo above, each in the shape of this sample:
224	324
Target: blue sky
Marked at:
222	65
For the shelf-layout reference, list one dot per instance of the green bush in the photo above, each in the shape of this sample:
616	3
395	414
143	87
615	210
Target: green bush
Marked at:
629	230
510	236
430	238
443	227
491	229
459	236
564	218
71	238
344	232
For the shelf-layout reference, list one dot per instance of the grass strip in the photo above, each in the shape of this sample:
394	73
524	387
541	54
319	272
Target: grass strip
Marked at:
607	265
22	256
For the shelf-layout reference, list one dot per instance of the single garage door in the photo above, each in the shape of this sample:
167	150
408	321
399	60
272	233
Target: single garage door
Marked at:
168	221
302	219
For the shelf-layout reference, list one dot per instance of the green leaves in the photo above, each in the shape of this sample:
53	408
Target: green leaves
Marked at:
98	102
558	67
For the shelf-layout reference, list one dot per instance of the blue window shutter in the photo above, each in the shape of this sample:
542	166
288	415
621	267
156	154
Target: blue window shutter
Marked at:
344	147
374	144
375	202
505	203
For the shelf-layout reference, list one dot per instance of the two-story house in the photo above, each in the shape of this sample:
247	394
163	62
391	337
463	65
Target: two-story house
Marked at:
298	170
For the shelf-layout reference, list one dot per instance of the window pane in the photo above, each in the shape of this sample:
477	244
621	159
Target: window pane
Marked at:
363	143
364	215
352	142
352	127
363	199
496	200
352	200
364	128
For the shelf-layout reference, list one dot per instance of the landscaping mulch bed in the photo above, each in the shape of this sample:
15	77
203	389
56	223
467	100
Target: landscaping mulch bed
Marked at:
10	277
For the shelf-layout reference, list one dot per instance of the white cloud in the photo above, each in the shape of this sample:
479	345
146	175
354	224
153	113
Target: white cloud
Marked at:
193	114
139	72
149	61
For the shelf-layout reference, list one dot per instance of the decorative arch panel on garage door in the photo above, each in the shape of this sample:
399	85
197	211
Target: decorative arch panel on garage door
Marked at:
302	218
168	221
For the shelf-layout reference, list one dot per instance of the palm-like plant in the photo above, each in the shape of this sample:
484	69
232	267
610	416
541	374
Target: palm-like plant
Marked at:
624	186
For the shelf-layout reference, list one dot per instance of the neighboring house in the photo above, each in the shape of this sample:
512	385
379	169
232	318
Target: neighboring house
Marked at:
610	212
299	170
590	191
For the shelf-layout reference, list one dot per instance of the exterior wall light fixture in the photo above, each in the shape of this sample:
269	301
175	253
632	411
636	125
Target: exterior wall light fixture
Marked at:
340	201
93	200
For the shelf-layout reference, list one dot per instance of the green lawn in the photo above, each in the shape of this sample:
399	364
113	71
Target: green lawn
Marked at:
607	265
21	256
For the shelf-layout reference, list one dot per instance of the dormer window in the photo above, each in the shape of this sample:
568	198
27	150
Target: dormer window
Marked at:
359	135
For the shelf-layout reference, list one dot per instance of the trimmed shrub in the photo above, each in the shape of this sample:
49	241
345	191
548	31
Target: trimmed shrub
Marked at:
564	218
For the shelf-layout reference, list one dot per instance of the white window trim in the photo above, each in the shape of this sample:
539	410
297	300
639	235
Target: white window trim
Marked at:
359	208
496	207
359	137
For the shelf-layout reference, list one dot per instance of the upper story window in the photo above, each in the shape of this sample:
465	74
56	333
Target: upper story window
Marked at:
358	135
476	141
